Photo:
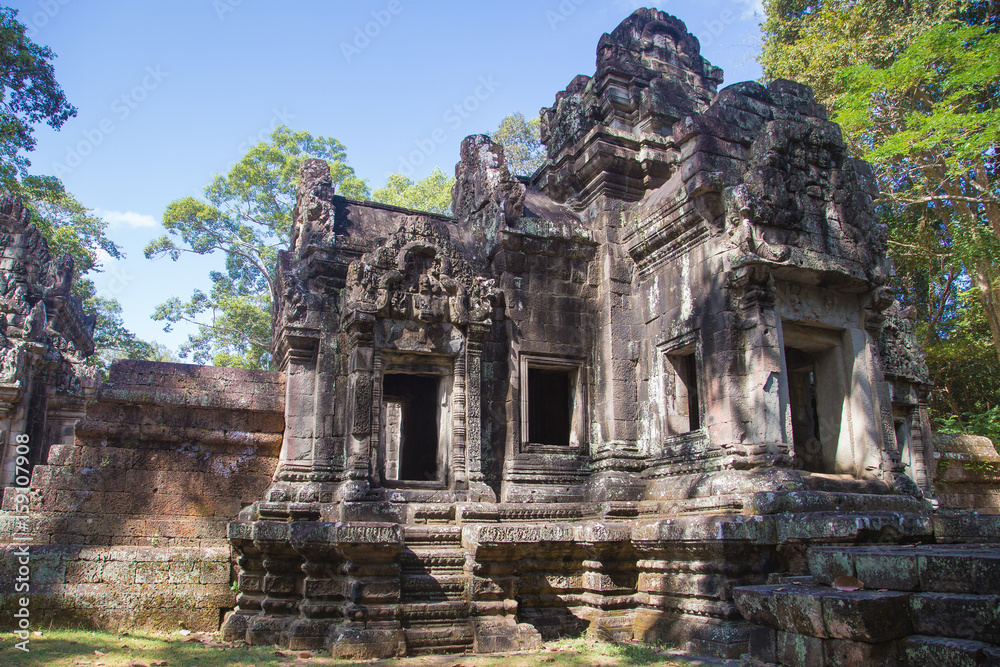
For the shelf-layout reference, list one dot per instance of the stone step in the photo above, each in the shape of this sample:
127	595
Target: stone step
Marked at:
433	584
824	612
958	615
874	617
946	652
451	637
966	568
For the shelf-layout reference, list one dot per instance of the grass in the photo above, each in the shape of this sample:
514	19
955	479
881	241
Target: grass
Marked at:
82	648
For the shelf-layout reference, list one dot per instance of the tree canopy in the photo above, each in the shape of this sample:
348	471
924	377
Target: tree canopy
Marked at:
246	215
432	194
914	86
522	143
30	95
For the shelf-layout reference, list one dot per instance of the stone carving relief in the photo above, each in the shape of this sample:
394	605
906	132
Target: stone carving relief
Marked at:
419	275
744	229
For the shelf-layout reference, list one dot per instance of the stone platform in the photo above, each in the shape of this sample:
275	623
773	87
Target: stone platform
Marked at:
920	605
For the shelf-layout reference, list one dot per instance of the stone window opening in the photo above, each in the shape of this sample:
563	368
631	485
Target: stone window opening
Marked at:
412	423
684	407
550	406
552	412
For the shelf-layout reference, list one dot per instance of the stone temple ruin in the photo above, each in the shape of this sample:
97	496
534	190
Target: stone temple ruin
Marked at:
598	399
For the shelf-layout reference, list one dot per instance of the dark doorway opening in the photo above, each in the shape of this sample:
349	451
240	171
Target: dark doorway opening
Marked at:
550	406
415	432
805	413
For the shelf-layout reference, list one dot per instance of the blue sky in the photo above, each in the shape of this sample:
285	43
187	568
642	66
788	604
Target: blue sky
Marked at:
171	93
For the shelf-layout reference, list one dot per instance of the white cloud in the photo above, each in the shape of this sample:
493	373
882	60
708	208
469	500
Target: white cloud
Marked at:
128	218
753	8
103	257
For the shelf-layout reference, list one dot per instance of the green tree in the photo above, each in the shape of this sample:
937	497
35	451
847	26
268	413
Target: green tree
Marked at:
246	215
522	144
432	194
914	86
69	227
29	94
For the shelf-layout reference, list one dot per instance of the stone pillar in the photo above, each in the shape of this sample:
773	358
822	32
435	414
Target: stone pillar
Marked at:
459	424
615	352
479	491
369	554
360	393
250	581
300	363
323	594
765	406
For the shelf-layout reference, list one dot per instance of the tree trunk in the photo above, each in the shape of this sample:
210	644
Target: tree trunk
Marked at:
991	302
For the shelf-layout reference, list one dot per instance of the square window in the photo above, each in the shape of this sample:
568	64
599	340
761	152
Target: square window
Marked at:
552	413
550	406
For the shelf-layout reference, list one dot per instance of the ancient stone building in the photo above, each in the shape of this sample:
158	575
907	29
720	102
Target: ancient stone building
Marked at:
597	399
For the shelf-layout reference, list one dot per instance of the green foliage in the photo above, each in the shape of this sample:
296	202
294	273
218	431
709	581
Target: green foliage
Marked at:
29	95
522	144
69	227
247	215
961	358
432	194
931	107
914	85
985	423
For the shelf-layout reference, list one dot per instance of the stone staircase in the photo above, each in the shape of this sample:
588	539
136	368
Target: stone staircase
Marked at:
921	605
433	590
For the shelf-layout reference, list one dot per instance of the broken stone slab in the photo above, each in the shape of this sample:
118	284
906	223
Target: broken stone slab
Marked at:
929	568
820	611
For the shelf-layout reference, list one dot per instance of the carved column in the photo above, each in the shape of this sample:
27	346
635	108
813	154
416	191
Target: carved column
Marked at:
282	583
250	581
300	401
478	489
459	427
880	451
360	391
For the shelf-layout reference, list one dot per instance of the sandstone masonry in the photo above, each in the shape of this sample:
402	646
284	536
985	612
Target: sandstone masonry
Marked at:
597	399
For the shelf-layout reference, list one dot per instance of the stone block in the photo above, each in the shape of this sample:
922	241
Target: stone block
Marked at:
799	611
897	572
763	644
846	653
757	604
944	652
797	649
866	616
962	616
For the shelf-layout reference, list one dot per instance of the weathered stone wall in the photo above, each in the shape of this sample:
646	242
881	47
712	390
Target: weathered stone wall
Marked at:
127	523
967	473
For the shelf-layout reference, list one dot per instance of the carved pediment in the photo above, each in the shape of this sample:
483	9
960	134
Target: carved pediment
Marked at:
418	274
